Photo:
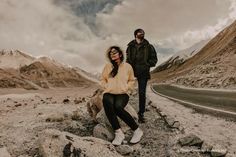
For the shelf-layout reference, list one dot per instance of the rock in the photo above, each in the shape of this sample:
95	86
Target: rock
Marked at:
206	148
149	102
218	151
158	110
52	143
4	152
102	119
170	121
42	84
191	140
95	105
76	101
76	115
103	132
176	125
49	98
83	99
55	118
65	101
74	126
124	149
17	105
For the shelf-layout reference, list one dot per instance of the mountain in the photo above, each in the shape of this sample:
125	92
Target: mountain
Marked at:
20	59
213	66
93	77
180	57
13	80
25	71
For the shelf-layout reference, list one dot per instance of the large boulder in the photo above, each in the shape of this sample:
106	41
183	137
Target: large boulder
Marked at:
124	149
103	132
53	143
191	140
4	152
218	151
95	105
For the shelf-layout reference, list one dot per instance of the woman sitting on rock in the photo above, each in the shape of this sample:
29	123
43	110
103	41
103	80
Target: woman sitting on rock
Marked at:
118	81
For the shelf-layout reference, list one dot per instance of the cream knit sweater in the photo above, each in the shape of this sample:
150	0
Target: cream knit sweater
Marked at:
122	83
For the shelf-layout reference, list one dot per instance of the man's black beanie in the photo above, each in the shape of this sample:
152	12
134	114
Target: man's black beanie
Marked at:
139	30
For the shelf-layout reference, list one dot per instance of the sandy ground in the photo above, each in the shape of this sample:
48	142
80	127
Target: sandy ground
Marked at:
23	115
212	129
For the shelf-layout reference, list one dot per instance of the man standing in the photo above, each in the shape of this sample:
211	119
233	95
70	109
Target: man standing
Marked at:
141	55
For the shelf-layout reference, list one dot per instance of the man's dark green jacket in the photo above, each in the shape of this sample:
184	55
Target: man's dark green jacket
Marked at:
141	57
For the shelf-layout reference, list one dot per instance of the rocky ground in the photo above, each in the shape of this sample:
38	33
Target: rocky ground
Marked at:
214	130
35	124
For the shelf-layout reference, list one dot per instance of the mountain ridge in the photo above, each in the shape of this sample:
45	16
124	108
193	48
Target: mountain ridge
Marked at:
213	66
28	72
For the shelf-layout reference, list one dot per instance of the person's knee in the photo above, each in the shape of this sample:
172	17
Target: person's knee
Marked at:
119	108
106	100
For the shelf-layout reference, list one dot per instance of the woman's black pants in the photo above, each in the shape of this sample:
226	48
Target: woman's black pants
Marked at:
114	105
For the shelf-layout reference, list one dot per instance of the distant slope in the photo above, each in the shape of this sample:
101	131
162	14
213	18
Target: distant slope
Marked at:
89	76
214	66
181	56
24	71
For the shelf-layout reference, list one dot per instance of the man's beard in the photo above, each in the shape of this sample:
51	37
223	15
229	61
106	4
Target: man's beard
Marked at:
140	37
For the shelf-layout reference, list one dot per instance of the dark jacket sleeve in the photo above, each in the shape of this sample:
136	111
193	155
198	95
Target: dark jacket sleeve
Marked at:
128	59
152	59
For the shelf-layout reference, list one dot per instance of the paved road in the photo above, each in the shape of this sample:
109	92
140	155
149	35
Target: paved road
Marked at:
220	100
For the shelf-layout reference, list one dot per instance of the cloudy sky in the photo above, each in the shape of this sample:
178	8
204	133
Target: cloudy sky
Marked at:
77	32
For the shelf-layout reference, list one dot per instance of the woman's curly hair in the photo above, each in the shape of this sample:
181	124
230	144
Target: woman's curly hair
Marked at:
115	68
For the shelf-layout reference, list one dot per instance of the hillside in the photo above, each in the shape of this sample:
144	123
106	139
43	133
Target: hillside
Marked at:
19	70
180	57
213	66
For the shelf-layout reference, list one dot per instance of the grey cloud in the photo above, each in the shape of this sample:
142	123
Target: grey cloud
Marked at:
78	32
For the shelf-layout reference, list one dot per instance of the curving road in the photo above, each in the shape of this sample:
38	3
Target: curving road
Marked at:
215	100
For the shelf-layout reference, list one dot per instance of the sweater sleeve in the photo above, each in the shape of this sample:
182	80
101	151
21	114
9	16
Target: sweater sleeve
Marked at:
104	77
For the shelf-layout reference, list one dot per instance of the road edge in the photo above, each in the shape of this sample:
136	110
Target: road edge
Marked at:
195	106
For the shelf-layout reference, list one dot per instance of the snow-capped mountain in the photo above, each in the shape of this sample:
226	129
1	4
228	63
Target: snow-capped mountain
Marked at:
49	61
14	59
19	70
181	56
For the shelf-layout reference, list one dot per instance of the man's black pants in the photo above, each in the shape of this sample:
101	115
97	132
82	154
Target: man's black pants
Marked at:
142	84
114	105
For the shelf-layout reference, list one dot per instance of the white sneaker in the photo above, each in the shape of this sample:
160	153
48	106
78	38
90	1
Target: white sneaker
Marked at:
119	137
138	133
